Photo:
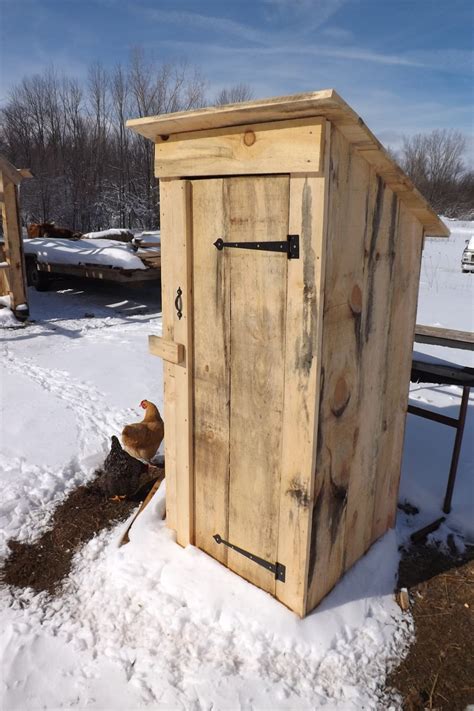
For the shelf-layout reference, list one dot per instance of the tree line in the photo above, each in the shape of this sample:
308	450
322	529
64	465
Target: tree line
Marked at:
435	163
91	172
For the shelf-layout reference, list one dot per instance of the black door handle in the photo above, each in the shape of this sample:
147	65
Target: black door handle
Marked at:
178	303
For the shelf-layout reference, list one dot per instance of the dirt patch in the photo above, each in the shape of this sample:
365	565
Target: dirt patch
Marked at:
44	564
438	671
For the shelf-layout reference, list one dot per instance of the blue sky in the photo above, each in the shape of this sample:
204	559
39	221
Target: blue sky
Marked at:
404	65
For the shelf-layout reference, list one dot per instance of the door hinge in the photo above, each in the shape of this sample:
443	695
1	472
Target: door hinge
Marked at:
277	569
290	246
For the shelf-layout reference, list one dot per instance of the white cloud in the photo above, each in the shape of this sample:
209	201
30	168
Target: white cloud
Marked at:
220	25
313	13
289	50
338	34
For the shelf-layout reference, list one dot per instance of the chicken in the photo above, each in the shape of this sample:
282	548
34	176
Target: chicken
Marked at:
142	439
122	475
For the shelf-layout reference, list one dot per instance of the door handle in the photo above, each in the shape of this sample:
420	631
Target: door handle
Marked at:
178	303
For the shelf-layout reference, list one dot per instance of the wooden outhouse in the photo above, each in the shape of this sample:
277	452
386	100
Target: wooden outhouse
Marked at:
291	250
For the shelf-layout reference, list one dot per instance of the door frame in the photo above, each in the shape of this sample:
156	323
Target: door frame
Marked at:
307	217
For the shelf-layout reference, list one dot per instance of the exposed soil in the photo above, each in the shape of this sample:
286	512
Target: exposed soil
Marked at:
44	564
438	672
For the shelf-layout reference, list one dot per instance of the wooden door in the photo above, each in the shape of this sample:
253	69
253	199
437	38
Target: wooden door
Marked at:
239	318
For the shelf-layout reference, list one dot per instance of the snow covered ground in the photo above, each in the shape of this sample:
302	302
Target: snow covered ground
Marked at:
154	625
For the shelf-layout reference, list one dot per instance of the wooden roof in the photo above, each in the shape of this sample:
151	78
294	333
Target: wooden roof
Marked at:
327	104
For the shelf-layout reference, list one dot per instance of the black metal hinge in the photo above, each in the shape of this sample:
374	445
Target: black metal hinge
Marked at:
277	569
290	246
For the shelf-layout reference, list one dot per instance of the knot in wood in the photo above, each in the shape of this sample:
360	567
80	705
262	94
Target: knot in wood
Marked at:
249	138
341	397
355	301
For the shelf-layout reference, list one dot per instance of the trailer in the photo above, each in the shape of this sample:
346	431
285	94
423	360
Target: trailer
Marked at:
101	259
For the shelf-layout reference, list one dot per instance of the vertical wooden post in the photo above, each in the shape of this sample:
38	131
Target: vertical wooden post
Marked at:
14	276
176	271
307	217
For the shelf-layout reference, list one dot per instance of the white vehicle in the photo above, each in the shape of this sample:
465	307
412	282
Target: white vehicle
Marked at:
467	259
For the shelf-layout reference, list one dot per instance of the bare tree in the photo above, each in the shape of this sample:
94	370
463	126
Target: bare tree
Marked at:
434	161
234	95
90	170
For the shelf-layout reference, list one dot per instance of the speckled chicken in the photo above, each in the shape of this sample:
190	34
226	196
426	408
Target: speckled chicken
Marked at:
122	475
143	439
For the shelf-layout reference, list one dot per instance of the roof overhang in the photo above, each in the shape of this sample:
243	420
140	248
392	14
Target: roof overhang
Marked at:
327	104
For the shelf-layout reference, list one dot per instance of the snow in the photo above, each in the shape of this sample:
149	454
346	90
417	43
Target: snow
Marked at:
446	299
105	252
106	234
152	237
7	317
430	359
153	625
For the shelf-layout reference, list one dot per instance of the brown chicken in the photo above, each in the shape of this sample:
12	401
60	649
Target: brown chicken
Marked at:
142	439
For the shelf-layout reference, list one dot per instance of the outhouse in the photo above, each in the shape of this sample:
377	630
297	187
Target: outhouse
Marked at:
291	250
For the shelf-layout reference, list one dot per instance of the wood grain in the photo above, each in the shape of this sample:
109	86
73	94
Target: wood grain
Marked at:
166	349
308	197
406	270
176	254
15	278
449	337
211	286
276	147
258	211
372	265
322	104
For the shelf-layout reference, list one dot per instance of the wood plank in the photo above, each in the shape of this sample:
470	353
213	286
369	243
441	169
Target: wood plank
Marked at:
276	147
168	220
10	173
168	350
13	246
176	252
340	362
258	210
402	316
433	335
211	287
308	198
259	111
363	238
171	444
381	246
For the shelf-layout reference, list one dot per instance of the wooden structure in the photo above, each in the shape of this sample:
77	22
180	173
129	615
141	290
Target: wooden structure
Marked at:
40	274
427	369
435	336
291	250
12	261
